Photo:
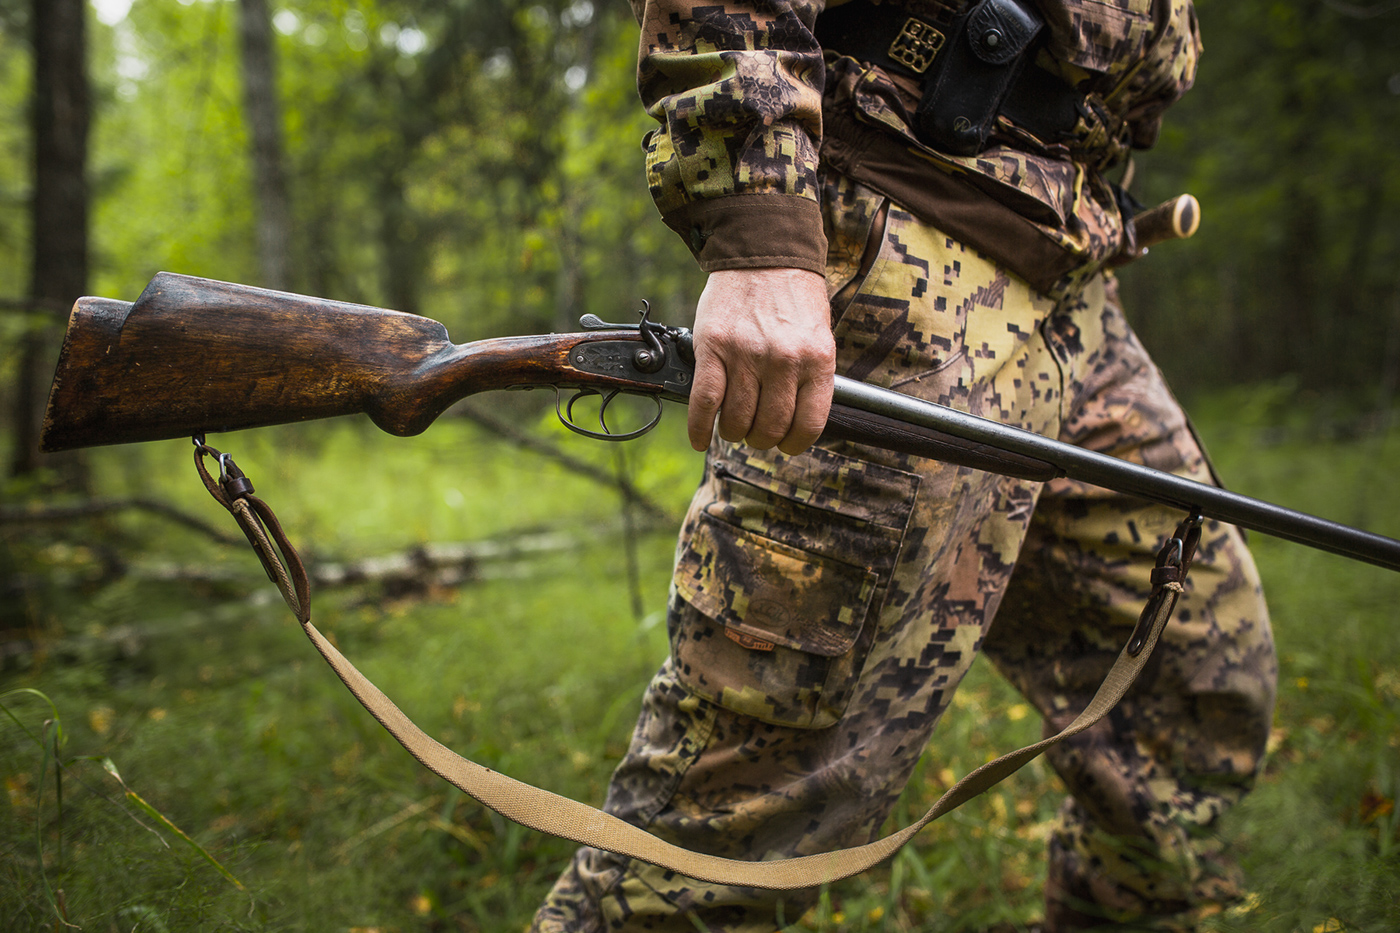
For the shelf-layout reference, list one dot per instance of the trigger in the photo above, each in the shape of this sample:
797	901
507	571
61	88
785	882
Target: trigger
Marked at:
603	412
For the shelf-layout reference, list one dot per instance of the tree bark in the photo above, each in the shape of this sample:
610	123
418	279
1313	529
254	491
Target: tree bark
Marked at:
59	205
264	115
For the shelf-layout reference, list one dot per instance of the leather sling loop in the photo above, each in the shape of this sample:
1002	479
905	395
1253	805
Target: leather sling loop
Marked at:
562	816
234	491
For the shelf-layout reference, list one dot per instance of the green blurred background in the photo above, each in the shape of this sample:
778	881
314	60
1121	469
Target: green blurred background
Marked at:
479	163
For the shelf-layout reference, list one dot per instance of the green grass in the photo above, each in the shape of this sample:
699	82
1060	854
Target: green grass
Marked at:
1320	836
222	718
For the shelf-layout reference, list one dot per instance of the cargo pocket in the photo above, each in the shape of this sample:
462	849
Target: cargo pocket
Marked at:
781	572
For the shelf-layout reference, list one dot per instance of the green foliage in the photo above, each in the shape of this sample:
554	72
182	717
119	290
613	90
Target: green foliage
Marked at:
224	720
475	162
1288	140
1328	795
49	742
15	76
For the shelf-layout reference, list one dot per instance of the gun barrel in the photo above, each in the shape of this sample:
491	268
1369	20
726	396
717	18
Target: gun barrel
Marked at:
1128	478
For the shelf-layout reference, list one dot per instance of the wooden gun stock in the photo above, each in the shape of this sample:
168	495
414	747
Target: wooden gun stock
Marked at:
194	356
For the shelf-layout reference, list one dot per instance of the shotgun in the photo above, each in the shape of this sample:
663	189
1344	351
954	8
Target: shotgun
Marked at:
194	356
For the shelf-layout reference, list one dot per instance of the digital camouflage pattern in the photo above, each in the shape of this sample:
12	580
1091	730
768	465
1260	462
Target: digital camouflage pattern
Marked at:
737	89
826	606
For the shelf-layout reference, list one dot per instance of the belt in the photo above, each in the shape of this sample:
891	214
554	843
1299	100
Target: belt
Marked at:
926	42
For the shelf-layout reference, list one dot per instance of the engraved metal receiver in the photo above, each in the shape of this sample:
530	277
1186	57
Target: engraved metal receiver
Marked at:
665	359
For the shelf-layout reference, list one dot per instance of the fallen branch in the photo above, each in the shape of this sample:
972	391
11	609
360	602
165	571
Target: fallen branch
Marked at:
413	572
440	564
417	569
38	514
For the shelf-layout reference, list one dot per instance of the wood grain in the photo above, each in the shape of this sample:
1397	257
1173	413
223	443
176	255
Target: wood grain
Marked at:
194	356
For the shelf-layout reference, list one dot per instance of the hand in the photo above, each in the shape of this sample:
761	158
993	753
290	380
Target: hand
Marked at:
764	359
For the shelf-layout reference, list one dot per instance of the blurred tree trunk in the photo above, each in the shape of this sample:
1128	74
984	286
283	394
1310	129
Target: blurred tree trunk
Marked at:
1301	333
401	253
1356	335
59	209
264	116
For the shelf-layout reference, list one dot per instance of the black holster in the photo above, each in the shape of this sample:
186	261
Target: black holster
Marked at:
968	83
967	61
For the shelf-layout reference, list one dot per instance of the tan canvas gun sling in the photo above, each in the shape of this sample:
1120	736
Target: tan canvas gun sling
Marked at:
562	816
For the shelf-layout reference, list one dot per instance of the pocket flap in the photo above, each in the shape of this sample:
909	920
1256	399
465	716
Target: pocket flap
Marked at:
773	593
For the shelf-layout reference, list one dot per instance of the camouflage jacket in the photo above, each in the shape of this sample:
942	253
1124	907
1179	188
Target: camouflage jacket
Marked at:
743	92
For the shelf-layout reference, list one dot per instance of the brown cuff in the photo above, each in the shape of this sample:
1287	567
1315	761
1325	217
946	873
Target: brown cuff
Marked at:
753	231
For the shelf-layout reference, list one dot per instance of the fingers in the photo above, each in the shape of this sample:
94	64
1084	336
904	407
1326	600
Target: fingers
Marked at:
706	396
742	405
788	409
809	419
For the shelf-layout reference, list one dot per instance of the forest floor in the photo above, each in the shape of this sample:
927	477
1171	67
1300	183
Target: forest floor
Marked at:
159	683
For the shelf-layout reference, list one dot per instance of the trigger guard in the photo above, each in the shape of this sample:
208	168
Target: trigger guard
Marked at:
603	417
566	415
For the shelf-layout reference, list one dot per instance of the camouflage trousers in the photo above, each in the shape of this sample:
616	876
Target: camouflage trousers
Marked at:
826	606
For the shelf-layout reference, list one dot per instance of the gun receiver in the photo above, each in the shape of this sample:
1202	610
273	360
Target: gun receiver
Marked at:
194	356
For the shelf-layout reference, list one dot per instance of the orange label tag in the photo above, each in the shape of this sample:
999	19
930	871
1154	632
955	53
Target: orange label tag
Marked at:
748	641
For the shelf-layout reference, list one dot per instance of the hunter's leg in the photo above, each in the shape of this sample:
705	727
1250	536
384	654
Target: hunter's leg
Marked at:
826	606
1138	842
